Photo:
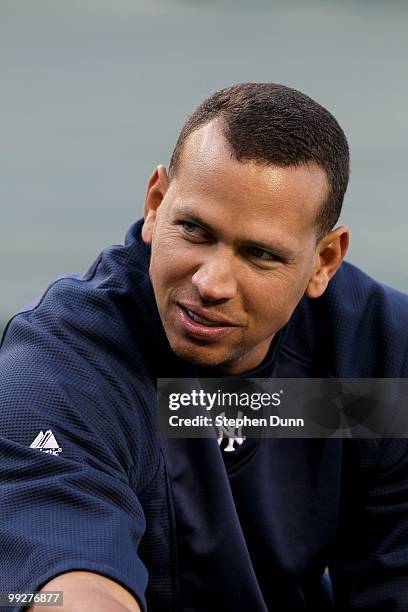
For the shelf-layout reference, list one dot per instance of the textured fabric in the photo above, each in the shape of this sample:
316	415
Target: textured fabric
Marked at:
171	520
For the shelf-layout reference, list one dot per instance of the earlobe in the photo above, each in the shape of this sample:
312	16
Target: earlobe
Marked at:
147	227
317	285
329	254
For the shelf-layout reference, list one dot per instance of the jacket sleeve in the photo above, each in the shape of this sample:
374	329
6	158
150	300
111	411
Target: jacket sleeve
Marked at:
369	569
68	446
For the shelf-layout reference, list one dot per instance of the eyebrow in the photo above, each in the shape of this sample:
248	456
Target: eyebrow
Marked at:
279	250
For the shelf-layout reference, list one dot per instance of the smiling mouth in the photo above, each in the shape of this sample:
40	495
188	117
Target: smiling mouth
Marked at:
203	320
201	327
209	321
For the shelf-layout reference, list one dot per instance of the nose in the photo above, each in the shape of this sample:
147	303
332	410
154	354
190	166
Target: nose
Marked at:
215	278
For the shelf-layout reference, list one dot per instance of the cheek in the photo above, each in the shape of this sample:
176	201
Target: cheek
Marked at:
171	263
273	301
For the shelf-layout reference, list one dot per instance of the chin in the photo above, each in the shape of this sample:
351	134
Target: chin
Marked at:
197	355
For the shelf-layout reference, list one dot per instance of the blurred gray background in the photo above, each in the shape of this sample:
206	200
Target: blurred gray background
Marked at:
94	93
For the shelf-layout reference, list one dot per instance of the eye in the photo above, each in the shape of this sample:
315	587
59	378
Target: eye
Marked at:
192	230
260	254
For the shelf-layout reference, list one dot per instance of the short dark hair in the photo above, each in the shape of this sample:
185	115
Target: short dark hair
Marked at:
277	125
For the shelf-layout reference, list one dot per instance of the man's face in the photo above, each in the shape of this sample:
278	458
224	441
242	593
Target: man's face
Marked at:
233	249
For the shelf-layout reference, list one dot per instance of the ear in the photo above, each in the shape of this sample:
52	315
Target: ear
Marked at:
156	190
330	252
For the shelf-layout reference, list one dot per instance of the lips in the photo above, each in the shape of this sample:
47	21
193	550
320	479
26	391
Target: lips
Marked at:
200	324
205	320
201	320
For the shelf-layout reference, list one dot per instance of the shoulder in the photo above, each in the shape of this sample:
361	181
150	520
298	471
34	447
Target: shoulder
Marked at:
352	290
376	312
93	318
357	328
73	364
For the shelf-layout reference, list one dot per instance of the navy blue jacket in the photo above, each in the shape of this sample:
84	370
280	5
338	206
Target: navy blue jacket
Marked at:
176	523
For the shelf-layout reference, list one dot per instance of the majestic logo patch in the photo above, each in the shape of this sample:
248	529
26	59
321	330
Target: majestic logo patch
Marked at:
46	443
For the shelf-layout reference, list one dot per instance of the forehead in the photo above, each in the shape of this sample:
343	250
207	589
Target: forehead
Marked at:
249	195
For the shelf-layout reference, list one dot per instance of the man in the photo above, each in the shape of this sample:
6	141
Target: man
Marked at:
236	271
